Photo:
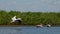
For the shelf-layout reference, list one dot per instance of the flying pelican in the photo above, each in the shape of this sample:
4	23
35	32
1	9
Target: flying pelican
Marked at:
16	20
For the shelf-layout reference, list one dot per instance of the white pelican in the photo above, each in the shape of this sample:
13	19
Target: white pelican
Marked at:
39	25
16	20
48	25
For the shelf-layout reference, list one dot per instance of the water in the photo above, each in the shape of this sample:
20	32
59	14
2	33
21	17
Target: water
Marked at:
29	30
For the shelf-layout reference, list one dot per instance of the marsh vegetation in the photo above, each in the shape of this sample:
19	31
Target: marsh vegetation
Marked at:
30	18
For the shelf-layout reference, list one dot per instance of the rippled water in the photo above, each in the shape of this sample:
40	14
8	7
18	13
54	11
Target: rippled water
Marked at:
29	30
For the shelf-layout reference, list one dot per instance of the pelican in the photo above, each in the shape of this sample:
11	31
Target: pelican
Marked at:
16	20
48	25
39	25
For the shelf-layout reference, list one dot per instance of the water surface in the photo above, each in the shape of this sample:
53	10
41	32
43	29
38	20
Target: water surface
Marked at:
29	30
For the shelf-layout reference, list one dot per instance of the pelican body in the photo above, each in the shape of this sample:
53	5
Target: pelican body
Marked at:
14	20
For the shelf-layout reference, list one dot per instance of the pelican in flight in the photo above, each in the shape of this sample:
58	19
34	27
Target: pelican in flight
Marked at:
16	20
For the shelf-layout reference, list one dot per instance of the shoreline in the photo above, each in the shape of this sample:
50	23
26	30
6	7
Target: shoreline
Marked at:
26	25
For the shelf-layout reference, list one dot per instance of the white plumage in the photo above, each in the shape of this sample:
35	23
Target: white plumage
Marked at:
14	19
